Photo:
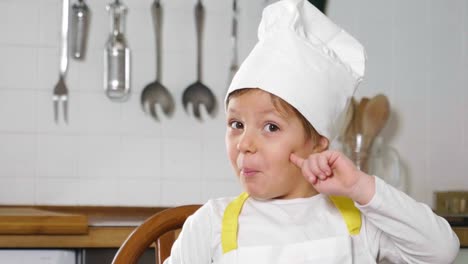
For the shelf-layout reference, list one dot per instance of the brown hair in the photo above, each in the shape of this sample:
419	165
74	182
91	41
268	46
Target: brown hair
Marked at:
284	108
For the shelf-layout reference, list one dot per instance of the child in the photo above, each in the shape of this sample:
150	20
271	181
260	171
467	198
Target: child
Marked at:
304	203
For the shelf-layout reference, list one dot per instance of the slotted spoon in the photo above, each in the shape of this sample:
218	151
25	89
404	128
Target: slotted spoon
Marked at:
155	93
198	94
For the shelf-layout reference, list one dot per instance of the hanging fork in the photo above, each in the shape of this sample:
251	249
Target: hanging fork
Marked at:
60	93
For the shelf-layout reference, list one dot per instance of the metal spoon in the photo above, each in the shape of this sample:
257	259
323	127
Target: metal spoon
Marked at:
198	94
155	93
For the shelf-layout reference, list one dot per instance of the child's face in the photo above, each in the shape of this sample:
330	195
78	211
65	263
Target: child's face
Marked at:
259	141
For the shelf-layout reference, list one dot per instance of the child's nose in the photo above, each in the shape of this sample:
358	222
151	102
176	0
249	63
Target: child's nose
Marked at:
247	143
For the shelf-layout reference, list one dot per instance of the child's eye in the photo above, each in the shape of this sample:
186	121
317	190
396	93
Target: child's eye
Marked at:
236	125
271	127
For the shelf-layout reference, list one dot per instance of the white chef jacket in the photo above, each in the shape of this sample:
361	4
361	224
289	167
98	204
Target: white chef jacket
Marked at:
394	229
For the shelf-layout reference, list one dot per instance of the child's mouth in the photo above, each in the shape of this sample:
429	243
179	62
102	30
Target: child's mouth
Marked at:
248	172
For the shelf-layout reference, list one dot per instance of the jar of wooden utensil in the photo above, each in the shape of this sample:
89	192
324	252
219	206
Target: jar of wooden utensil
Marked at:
379	159
357	148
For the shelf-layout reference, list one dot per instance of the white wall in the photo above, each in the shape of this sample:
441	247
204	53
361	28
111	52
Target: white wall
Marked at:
112	154
418	56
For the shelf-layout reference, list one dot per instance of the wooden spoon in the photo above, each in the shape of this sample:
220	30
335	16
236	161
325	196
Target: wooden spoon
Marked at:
360	109
373	115
374	118
350	130
348	118
354	126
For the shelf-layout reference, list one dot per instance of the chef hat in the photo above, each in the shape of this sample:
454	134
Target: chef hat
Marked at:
305	59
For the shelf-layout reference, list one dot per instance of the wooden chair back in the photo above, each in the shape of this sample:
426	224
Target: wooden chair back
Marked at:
159	229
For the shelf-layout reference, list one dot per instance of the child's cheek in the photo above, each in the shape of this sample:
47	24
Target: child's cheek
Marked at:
300	151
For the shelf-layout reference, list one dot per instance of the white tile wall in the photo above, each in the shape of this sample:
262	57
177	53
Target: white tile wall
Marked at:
17	110
23	17
17	191
181	159
58	157
19	66
99	157
103	191
112	154
410	50
18	156
140	192
213	189
178	192
58	191
416	52
447	89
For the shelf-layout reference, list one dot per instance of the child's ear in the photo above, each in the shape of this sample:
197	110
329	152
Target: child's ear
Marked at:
321	145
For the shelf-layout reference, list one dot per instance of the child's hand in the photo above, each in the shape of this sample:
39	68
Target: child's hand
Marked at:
332	173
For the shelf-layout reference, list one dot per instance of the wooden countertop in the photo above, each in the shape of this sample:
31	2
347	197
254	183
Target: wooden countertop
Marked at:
462	233
108	227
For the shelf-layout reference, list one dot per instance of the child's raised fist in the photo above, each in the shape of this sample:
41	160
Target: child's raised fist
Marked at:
332	173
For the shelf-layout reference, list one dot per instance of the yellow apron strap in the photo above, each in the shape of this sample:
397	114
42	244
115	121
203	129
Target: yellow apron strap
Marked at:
230	223
350	213
229	227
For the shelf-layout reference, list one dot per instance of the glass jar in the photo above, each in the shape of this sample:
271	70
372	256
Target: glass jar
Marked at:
375	158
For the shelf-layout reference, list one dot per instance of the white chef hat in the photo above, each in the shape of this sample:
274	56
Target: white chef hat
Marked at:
305	59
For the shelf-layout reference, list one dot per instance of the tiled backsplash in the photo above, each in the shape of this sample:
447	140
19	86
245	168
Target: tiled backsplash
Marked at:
112	154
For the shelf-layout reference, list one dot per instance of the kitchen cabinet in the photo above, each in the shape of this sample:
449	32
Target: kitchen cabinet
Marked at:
462	257
66	256
26	256
106	255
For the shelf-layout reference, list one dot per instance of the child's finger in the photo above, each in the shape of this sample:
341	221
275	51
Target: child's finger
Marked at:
314	168
307	172
296	160
322	161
